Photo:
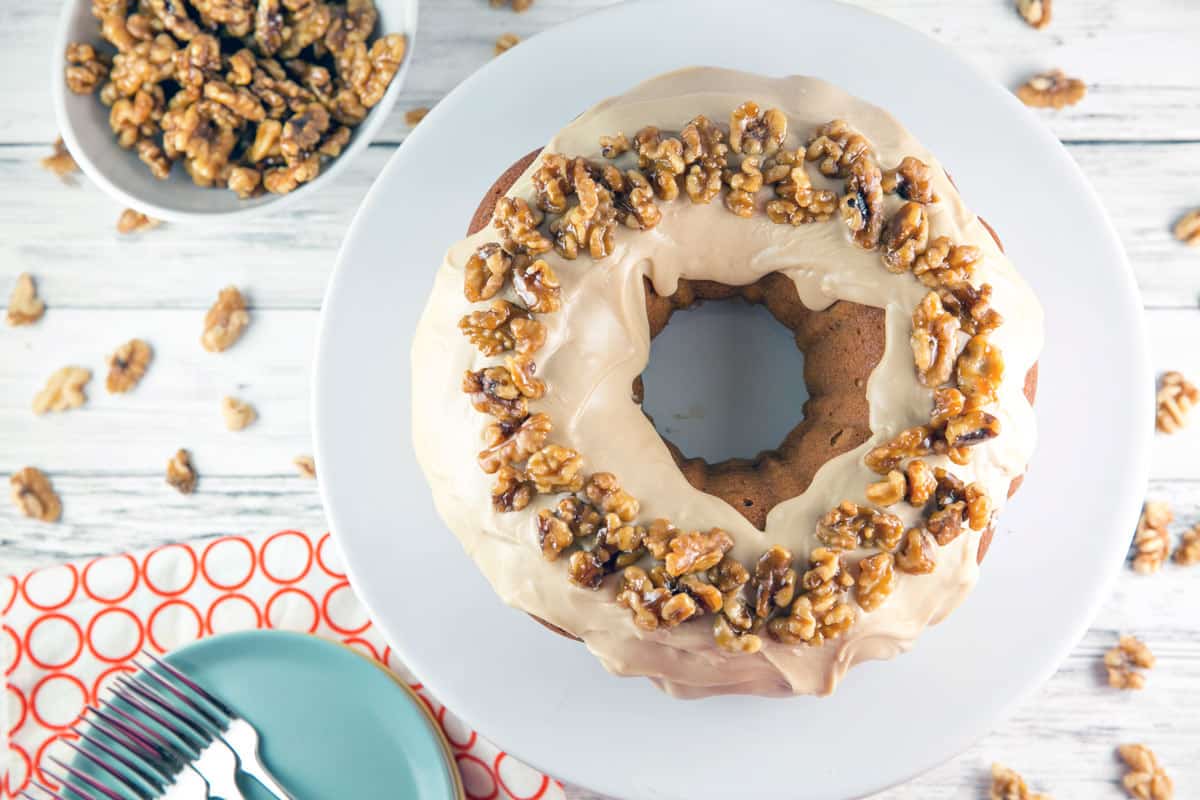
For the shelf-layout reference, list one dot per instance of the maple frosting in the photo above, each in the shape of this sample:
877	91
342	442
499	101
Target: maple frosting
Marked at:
599	342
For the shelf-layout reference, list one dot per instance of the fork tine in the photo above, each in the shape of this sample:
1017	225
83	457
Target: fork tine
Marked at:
127	696
151	766
191	684
74	787
126	757
182	696
129	736
53	794
95	783
177	750
154	697
136	787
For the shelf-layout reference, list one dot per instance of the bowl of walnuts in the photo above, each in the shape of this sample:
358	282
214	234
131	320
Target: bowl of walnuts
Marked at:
201	110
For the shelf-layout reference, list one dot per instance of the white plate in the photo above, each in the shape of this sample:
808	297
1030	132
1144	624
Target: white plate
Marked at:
543	697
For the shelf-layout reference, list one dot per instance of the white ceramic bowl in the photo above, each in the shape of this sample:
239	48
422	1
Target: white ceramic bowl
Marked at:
83	123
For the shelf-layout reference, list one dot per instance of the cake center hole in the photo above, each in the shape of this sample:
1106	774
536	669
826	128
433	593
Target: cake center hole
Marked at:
725	380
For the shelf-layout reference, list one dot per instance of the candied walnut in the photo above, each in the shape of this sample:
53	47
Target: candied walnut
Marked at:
799	625
60	161
614	146
517	222
33	495
494	391
980	370
850	525
911	180
1051	90
1035	12
132	221
972	306
728	575
1146	779
918	553
704	146
754	132
799	202
708	597
225	321
238	415
1187	229
743	183
934	340
920	482
603	491
947	523
306	466
589	224
553	184
905	237
496	330
1122	661
588	568
890	490
972	428
63	391
538	287
979	506
658	538
646	600
861	206
24	305
837	146
876	580
1176	397
910	443
1188	552
385	57
485	273
127	365
662	159
732	641
821	612
695	551
245	182
85	68
506	42
509	442
555	468
571	519
946	264
1008	785
238	99
524	369
181	475
512	490
1151	540
633	201
136	118
150	154
286	179
266	142
774	581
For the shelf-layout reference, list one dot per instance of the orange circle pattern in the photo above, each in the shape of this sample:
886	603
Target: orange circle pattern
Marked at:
301	595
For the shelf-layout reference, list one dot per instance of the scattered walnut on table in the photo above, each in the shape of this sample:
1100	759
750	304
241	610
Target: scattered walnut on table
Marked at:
1123	660
414	115
876	581
64	390
1051	90
180	473
1151	539
1188	552
912	180
306	466
506	42
934	340
24	305
132	221
238	414
225	321
1009	785
1187	229
34	496
918	553
1146	779
1035	12
127	365
60	161
1176	397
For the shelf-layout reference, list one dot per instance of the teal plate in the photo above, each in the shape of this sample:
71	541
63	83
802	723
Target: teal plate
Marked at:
334	725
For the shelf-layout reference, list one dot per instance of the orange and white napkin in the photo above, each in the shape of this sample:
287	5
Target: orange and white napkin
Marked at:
67	629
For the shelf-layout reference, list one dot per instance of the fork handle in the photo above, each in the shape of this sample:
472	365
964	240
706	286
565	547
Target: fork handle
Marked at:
255	769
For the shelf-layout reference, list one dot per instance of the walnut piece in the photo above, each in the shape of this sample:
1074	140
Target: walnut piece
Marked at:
695	551
1121	662
493	391
506	42
33	495
24	305
558	529
238	415
1187	229
934	340
225	321
605	493
64	390
132	221
945	264
555	468
510	442
485	273
60	161
512	490
876	581
1009	785
127	365
918	553
613	146
861	206
733	641
414	115
754	132
538	287
907	444
921	482
1052	90
890	490
774	581
85	68
1146	779
850	525
905	237
306	466
181	475
1188	552
1176	397
911	179
1035	12
1151	540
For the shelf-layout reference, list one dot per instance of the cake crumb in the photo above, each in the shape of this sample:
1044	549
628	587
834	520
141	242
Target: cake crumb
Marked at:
1051	89
1122	663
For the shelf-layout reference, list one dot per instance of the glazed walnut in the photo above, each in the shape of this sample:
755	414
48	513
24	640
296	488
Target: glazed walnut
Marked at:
1051	90
127	365
501	328
890	490
512	491
774	582
972	305
1151	540
661	158
614	146
556	469
911	180
537	286
905	237
558	529
876	581
980	371
910	443
509	442
1123	662
918	553
33	495
85	68
861	206
733	641
921	482
850	525
493	391
64	390
934	340
837	146
486	271
694	551
1146	779
1176	397
705	152
743	184
944	263
603	492
524	374
225	321
754	132
181	475
588	225
821	612
24	305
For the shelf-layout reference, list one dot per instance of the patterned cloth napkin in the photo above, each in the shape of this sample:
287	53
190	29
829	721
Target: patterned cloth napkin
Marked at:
67	629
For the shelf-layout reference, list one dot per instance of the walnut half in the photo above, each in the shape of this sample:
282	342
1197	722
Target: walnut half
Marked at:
63	391
1176	396
34	496
127	365
180	473
1051	90
225	321
24	305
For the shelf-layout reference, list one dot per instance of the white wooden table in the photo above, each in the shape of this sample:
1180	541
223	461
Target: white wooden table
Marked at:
1137	136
